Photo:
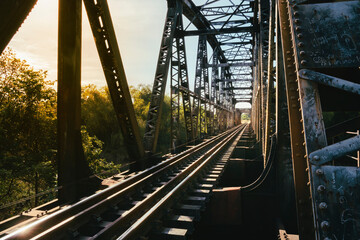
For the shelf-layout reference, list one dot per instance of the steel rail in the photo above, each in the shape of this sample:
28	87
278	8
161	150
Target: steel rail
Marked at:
191	173
78	213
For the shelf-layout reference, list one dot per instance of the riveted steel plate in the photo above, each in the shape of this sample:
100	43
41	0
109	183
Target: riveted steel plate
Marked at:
327	34
336	195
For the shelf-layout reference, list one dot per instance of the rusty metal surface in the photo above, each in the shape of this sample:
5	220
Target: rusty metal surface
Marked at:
334	151
283	161
331	32
337	202
269	128
330	81
301	178
324	36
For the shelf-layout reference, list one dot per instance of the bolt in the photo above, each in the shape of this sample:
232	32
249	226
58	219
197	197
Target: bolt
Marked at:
302	53
323	206
321	188
303	62
299	35
296	13
325	225
316	157
298	28
300	44
297	21
319	172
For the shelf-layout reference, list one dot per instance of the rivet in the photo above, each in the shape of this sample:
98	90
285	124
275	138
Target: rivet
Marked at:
296	13
319	172
342	199
316	157
303	62
298	28
323	205
302	53
297	21
300	44
325	225
299	35
321	188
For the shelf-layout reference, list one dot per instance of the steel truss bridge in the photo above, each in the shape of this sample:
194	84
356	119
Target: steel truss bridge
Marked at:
292	60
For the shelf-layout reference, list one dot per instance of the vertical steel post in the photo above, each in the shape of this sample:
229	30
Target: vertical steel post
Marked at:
263	53
196	112
204	89
154	115
270	78
284	167
184	79
301	177
72	166
174	98
215	88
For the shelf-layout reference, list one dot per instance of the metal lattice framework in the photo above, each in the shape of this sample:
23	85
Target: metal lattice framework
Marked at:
292	60
228	28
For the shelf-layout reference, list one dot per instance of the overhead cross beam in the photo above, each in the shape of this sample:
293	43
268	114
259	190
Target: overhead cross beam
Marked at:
216	31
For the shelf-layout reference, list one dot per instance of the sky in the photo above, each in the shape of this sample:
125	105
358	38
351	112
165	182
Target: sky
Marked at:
138	26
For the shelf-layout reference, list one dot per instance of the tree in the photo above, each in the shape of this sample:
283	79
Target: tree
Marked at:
141	96
27	129
99	117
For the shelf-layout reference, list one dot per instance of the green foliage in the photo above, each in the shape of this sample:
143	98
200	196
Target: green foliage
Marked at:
93	154
245	117
28	124
141	96
99	117
27	129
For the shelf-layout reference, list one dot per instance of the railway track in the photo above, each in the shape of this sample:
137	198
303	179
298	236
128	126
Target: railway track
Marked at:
160	202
